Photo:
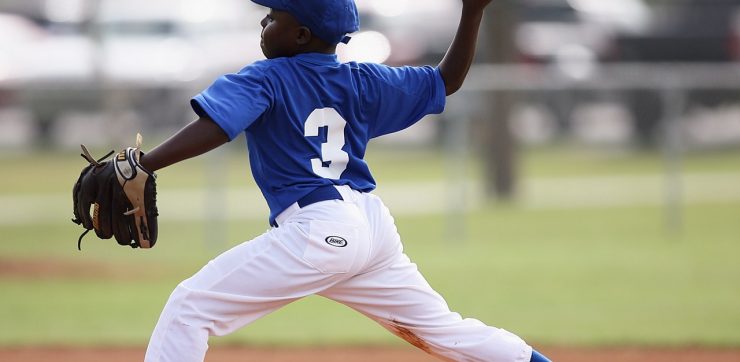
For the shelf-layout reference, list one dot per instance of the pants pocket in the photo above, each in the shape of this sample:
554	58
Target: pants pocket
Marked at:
332	247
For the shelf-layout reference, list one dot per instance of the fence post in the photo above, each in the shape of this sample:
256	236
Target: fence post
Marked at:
456	142
674	103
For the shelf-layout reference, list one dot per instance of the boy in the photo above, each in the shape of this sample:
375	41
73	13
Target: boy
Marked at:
307	120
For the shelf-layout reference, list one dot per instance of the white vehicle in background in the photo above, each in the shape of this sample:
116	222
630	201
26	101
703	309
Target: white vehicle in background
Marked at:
148	57
16	33
176	40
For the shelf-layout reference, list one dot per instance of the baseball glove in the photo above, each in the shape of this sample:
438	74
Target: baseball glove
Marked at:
123	196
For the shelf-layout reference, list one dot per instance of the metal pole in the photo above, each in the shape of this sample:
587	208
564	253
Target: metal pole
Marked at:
456	144
674	102
216	200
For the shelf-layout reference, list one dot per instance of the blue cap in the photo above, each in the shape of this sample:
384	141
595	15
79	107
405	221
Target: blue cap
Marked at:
330	20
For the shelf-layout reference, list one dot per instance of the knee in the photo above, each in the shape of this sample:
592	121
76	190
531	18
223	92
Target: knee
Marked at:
467	339
182	307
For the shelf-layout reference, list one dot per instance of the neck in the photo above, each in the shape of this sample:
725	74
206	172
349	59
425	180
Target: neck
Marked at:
319	47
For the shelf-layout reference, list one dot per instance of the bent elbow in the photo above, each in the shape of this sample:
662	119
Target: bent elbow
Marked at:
452	87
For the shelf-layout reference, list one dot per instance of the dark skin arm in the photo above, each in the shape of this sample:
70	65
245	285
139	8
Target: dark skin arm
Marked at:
456	62
198	137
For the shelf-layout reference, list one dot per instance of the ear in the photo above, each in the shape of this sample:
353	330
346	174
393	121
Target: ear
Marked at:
304	36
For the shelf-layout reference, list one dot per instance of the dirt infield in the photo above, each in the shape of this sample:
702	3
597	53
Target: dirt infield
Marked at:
368	354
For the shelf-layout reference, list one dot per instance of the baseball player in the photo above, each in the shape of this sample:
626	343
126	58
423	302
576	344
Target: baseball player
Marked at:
307	119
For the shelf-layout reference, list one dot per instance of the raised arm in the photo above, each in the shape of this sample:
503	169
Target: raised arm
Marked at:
198	137
456	62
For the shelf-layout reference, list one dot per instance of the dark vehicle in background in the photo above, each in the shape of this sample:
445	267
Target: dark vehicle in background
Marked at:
682	31
548	30
574	37
685	31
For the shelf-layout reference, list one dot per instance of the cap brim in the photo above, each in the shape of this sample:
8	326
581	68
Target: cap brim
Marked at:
274	4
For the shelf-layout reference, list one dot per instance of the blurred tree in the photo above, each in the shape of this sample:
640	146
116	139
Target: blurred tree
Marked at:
498	144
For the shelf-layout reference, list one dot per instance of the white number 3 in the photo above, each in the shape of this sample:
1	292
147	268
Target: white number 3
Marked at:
333	160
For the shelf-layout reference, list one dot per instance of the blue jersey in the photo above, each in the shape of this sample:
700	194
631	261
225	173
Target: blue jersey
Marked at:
308	118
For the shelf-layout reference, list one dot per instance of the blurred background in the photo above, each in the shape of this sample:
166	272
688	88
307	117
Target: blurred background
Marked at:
587	175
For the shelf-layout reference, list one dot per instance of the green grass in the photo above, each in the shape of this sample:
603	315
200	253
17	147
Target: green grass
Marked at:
576	276
30	173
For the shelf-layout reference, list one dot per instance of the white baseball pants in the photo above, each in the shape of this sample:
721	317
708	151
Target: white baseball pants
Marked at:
348	251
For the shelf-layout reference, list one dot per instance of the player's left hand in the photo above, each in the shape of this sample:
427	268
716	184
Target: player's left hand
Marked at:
123	197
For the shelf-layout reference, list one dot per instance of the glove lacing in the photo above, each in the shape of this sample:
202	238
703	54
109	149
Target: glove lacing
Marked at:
86	155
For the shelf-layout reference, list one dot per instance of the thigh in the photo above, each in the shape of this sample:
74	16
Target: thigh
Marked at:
246	283
400	299
396	294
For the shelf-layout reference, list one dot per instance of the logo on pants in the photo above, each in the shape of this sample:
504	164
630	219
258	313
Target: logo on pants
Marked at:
337	241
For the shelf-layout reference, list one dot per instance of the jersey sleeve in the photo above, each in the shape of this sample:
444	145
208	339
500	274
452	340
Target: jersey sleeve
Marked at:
235	101
398	97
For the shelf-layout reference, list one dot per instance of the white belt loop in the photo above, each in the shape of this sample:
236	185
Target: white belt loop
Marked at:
346	192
